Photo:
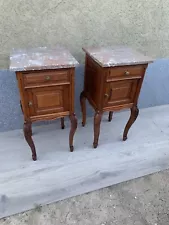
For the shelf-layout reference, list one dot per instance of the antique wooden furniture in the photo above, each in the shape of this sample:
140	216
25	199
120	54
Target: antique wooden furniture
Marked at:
113	79
46	84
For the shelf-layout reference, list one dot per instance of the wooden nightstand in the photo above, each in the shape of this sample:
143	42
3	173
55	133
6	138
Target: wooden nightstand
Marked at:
46	84
113	80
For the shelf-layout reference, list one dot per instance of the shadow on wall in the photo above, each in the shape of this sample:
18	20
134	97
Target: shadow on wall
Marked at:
154	92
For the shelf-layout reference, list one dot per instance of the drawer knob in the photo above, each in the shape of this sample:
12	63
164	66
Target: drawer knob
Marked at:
127	73
30	103
47	78
106	95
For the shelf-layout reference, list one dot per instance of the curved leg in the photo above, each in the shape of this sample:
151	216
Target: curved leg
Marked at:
97	121
28	133
110	116
73	120
23	113
133	117
31	130
83	107
62	123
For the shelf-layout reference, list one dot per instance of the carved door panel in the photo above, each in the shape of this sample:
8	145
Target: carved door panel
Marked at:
47	100
120	92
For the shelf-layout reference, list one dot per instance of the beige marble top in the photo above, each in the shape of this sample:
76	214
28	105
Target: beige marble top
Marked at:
41	58
116	56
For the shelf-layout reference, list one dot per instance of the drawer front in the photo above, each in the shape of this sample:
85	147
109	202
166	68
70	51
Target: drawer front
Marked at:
46	78
126	72
120	92
43	101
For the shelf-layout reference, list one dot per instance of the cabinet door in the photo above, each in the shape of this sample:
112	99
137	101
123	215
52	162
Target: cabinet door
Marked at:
47	100
120	92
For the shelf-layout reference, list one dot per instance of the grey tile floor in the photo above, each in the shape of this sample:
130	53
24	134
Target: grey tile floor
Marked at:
142	201
59	174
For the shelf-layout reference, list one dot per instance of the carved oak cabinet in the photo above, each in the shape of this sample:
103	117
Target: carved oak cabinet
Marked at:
113	80
46	83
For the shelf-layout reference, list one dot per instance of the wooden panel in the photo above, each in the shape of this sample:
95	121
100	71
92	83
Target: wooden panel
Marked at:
120	92
46	77
126	71
23	95
49	116
93	83
48	100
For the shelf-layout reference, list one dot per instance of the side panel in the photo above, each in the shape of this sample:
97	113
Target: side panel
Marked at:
94	81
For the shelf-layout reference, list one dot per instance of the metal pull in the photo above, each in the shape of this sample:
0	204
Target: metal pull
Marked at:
127	73
30	103
108	96
47	78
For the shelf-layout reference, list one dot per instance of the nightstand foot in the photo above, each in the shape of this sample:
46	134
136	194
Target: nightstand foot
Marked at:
28	137
71	148
83	107
73	120
62	123
34	157
110	116
97	121
132	119
95	145
124	138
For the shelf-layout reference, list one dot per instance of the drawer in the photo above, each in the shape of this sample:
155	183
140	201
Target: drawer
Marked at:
46	78
126	71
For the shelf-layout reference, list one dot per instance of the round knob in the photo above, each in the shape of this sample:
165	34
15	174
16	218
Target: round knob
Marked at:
127	73
47	78
30	103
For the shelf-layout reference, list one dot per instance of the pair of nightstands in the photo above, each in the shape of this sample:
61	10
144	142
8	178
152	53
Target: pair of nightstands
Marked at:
113	79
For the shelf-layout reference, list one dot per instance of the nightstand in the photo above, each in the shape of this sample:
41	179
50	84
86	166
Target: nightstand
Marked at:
113	80
46	83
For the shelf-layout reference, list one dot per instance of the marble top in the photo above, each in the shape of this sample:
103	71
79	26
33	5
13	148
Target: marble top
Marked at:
41	58
116	56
